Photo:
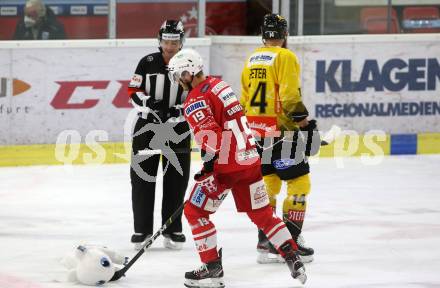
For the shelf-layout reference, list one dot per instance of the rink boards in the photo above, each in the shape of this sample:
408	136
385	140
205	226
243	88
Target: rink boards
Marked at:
371	146
75	92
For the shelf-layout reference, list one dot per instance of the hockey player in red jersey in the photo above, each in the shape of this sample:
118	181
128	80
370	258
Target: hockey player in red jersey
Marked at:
231	163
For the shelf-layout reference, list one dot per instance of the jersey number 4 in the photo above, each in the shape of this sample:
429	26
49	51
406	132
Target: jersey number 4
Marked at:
261	94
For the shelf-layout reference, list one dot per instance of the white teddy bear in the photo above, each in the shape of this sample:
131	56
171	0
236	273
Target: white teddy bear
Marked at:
92	265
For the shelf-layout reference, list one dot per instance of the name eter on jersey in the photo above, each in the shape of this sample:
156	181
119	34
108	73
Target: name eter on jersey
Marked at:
271	92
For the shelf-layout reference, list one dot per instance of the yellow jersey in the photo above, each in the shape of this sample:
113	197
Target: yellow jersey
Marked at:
271	91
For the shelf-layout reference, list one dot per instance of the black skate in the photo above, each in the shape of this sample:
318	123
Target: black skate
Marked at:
138	239
209	275
297	269
305	253
267	253
174	240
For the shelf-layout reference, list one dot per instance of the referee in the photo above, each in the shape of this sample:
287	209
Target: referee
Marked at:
160	126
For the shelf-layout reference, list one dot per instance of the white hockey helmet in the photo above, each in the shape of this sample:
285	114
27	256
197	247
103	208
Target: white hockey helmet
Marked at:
185	60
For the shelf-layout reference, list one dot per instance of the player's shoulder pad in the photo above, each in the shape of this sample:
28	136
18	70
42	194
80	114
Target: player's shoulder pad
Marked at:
289	54
219	86
226	94
263	56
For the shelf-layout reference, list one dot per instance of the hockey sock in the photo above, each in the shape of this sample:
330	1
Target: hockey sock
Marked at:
295	204
204	233
272	226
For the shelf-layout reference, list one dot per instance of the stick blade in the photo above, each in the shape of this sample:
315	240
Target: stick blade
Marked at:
118	274
334	132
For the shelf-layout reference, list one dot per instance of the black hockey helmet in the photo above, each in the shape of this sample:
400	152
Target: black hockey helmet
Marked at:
274	27
171	30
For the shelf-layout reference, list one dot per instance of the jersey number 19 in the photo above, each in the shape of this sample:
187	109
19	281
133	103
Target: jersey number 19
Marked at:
238	129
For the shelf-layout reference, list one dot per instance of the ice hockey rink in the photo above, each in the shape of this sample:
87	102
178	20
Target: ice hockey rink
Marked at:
371	225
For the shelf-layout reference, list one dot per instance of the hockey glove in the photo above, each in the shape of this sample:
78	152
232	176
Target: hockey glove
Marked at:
175	114
176	111
144	103
206	177
208	182
312	138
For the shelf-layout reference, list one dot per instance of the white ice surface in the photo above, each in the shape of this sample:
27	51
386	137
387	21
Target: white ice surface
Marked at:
370	226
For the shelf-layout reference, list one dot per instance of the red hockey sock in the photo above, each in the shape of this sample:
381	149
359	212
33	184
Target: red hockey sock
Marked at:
204	233
272	226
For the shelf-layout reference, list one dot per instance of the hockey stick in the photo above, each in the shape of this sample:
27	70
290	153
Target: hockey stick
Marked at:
118	274
331	135
327	139
164	151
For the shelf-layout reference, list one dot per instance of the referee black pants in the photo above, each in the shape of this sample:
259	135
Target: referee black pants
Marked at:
143	171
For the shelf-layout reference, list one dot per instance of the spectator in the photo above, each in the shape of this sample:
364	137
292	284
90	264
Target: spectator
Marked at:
39	23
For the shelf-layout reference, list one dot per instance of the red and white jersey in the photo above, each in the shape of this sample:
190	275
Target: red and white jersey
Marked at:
220	126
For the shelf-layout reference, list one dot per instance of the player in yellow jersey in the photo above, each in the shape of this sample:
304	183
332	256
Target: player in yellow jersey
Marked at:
271	97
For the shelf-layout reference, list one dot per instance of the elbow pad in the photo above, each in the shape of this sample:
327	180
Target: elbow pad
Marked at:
298	113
